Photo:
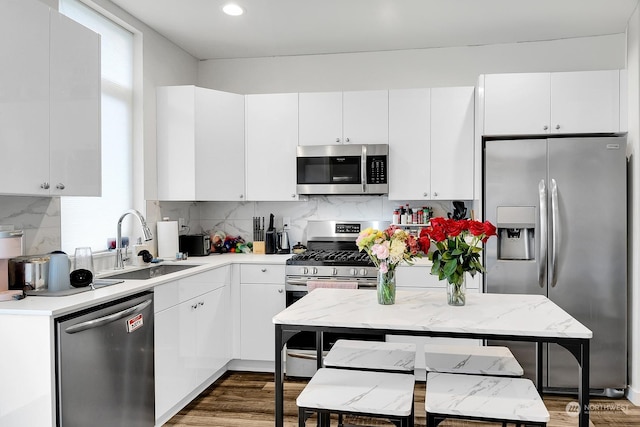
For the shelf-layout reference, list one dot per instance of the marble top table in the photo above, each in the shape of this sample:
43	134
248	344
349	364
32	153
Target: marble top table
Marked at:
532	318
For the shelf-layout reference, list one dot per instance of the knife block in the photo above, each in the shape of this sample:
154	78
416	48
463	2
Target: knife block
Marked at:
258	247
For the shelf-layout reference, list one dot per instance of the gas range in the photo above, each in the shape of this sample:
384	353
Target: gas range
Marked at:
333	254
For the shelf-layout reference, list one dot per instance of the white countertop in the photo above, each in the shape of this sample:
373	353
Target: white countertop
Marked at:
58	306
516	315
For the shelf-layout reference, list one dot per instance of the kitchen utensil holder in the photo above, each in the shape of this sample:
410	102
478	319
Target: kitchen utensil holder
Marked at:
259	248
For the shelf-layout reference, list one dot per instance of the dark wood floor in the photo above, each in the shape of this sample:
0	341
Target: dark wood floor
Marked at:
247	399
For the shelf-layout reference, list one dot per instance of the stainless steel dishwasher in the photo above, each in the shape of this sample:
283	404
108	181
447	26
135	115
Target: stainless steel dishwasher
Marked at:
104	365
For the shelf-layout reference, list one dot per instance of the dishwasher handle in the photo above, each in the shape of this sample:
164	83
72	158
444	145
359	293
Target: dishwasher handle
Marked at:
90	324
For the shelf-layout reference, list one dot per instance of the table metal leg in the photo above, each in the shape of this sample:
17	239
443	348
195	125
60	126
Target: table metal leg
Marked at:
319	347
583	388
279	378
539	367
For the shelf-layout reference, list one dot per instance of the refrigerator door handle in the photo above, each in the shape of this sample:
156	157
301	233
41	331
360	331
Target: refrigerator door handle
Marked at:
555	220
542	261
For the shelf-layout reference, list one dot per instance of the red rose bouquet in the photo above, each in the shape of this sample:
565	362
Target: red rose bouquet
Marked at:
458	246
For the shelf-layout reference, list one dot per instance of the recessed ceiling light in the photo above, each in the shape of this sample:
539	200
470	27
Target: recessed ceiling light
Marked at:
232	9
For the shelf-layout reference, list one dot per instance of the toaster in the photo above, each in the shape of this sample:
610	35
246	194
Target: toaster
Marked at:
195	244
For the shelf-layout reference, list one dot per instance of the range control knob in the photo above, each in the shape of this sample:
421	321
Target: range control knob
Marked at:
314	270
353	271
334	271
363	271
305	270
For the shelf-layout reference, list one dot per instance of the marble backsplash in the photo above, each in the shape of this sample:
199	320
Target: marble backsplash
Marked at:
38	217
235	218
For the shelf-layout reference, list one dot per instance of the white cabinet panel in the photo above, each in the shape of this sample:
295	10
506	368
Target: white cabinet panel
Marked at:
258	304
366	117
24	97
320	118
517	103
49	103
200	138
431	143
552	103
75	139
409	144
172	379
192	334
357	117
272	138
585	102
452	166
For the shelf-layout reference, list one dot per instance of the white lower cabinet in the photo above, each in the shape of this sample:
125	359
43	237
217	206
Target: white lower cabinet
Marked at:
262	296
419	277
192	335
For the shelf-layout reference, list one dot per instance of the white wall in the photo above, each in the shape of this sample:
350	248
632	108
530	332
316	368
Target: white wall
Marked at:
633	74
409	68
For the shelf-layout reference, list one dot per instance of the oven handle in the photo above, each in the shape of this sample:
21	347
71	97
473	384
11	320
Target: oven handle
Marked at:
363	170
303	282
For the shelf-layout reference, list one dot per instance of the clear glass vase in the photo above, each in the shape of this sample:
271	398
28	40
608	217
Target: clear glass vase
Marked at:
456	293
386	287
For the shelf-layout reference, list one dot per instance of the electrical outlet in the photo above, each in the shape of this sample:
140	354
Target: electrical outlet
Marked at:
181	223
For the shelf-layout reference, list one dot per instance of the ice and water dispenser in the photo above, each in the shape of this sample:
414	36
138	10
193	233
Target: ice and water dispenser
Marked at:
516	226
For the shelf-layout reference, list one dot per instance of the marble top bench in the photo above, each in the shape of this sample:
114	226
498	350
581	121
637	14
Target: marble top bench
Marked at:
484	397
372	355
472	359
364	392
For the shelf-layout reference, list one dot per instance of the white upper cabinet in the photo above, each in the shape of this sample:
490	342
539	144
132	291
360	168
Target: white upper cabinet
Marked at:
366	117
320	118
551	103
409	144
452	156
357	117
75	127
272	138
49	103
24	97
584	102
200	140
431	144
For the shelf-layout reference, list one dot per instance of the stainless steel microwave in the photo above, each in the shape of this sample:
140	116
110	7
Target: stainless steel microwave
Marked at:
342	169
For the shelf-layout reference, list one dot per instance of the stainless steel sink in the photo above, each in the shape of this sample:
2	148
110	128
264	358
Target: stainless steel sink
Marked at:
150	272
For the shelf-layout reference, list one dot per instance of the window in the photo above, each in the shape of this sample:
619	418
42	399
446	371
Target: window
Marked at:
89	221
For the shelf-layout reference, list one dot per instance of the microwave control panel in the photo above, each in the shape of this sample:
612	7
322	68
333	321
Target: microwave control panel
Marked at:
377	169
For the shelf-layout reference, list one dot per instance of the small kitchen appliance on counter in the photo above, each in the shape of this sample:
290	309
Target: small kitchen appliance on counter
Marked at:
11	242
195	244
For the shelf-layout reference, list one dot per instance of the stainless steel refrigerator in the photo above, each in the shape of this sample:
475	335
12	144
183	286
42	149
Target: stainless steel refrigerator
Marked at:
559	204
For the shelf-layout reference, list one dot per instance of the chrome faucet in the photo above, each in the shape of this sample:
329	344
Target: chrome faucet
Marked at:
145	229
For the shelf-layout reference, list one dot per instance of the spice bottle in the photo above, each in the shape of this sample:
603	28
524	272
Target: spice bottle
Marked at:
396	216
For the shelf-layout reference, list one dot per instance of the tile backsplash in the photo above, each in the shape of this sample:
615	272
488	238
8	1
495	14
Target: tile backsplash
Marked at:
38	217
235	218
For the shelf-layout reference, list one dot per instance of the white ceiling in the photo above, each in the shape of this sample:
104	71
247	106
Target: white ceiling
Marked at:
302	27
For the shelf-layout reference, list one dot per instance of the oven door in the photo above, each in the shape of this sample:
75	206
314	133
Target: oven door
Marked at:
301	352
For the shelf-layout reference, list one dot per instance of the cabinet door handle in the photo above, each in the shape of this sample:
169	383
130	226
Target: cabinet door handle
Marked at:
557	127
241	196
264	270
337	139
280	291
44	185
425	194
60	186
194	306
435	194
201	303
346	140
293	196
545	127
